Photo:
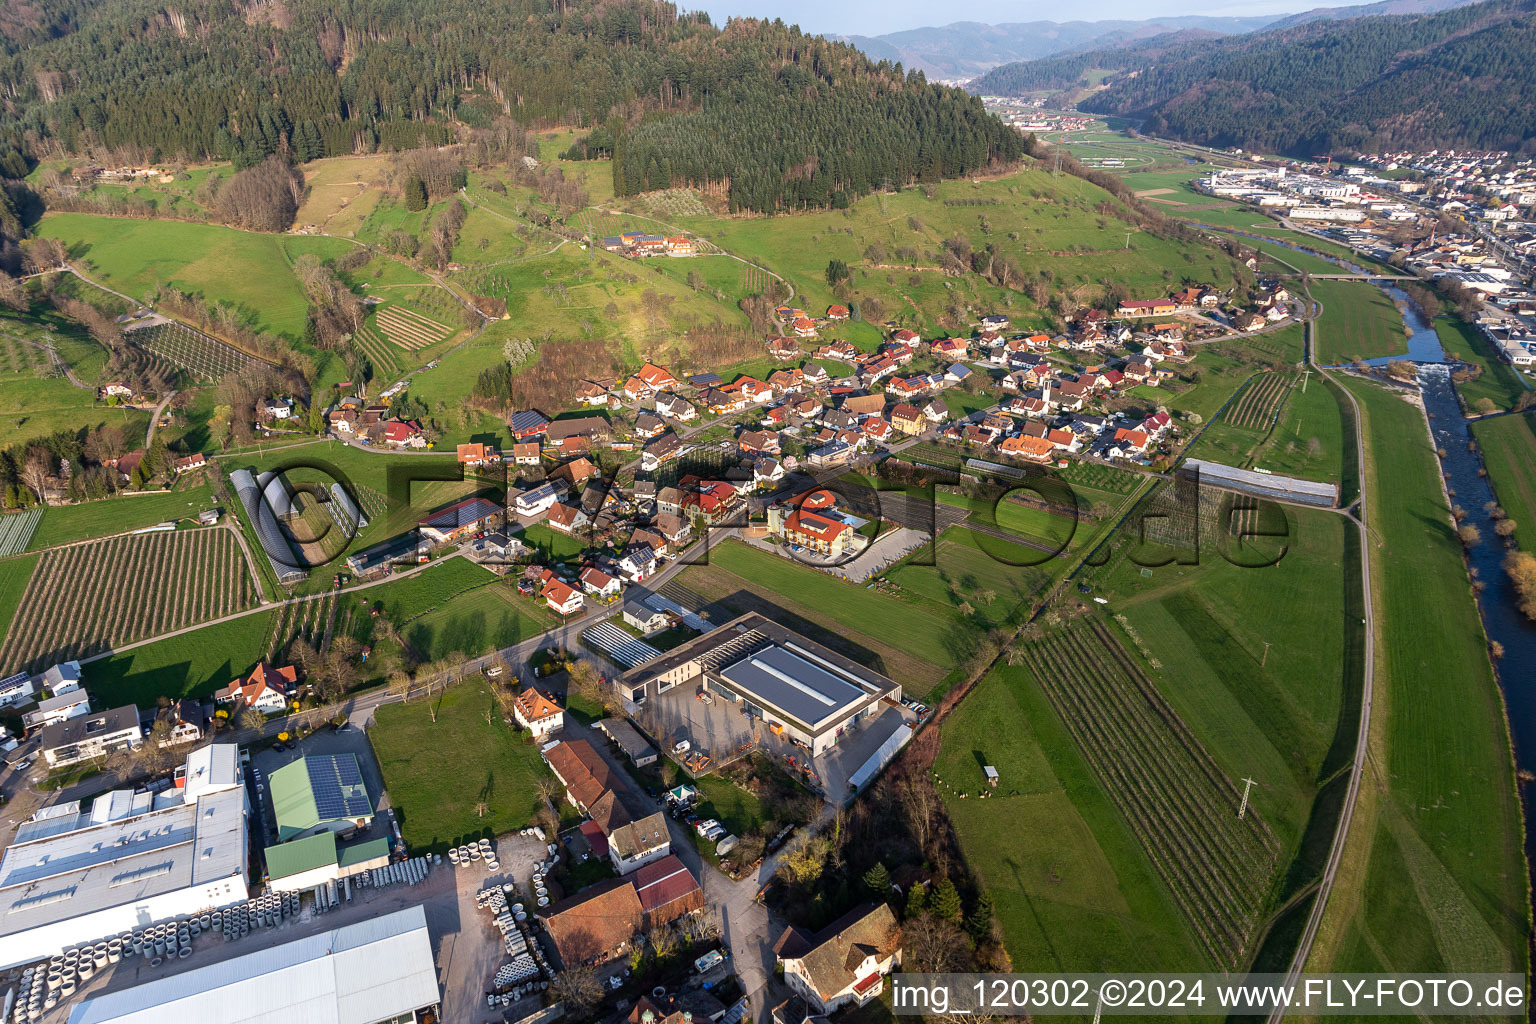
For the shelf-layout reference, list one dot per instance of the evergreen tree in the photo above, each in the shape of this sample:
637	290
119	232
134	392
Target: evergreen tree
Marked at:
915	901
837	272
945	901
979	923
878	881
415	194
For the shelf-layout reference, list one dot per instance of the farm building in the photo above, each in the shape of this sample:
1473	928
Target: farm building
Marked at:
597	922
796	686
380	969
71	879
628	739
527	424
263	516
320	793
460	520
406	548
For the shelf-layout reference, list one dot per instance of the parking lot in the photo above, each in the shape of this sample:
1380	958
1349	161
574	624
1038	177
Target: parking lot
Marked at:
467	946
722	730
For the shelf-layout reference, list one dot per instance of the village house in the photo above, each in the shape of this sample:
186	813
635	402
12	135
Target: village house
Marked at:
803	327
675	407
815	374
584	432
537	501
591	393
188	463
907	336
599	584
1146	307
786	381
403	434
767	473
781	348
836	312
567	519
908	419
526	453
537	712
638	562
648	426
758	442
266	689
478	455
341	421
114	389
90	736
561	597
845	963
574	473
724	403
1128	442
184	720
1032	449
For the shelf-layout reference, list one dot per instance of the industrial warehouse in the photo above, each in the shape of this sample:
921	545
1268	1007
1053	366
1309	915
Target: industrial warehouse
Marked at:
79	877
365	973
799	688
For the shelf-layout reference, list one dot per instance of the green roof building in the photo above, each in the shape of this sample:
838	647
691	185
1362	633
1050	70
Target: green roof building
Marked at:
323	793
287	861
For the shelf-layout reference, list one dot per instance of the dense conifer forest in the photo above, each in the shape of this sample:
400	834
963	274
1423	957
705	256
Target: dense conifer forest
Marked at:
775	117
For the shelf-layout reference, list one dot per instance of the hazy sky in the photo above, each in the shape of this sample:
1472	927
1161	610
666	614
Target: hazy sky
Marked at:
877	17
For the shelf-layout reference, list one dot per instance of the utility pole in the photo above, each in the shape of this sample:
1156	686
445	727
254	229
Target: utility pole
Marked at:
1247	785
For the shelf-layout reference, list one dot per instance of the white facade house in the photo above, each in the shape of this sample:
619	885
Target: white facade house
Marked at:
637	843
16	689
62	678
60	708
71	879
94	734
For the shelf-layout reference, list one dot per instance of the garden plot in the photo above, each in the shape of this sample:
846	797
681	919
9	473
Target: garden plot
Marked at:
408	329
87	597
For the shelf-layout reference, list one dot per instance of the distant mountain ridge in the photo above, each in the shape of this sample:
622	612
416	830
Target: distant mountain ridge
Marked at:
965	49
1457	78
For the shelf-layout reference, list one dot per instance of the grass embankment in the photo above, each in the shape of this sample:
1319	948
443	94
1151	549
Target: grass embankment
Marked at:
1499	383
1434	877
1362	322
1509	452
454	770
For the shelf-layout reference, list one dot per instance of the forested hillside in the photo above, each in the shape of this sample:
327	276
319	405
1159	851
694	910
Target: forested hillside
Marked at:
783	117
1462	77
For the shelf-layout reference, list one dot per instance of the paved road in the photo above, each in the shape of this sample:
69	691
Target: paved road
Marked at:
1362	737
154	418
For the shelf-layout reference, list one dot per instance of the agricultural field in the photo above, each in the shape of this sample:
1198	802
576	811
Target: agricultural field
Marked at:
341	192
203	358
1508	446
1360	322
1176	799
1433	877
477	622
16	530
408	329
14	574
1072	885
1033	526
251	272
75	604
1038	220
1257	407
453	767
1309	441
995	578
33	406
65	524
